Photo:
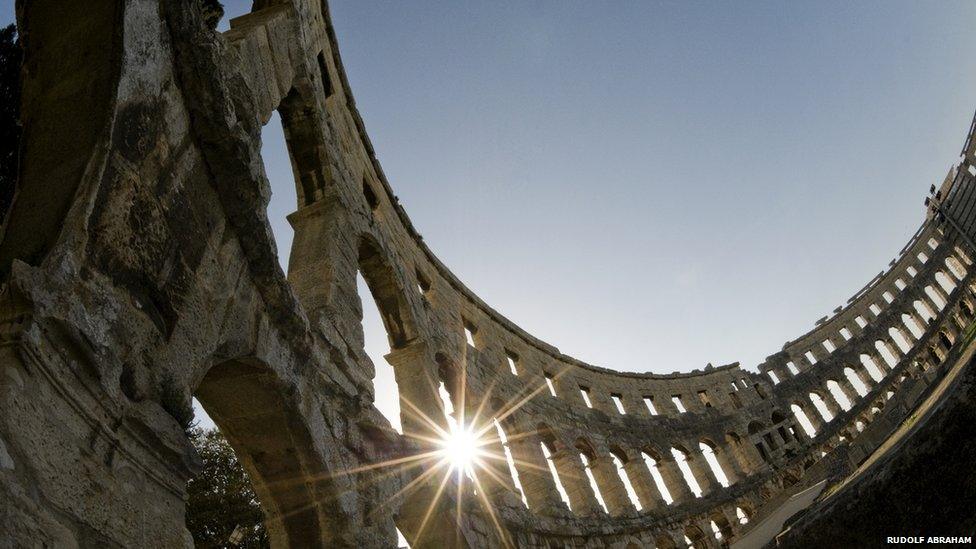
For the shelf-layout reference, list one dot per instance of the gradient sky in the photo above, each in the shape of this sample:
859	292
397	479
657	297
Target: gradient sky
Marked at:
651	186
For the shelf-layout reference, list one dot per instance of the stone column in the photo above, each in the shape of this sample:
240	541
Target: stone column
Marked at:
501	480
833	408
673	479
643	483
927	304
861	373
537	483
892	348
702	472
813	416
937	289
847	388
879	363
577	485
611	486
732	471
906	334
417	380
918	320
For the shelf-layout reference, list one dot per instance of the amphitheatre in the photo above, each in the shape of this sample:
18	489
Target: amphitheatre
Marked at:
139	271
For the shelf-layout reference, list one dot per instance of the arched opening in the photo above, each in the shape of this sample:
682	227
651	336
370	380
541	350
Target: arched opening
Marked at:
619	459
724	528
695	538
804	421
387	293
946	282
246	401
855	381
912	326
651	459
923	311
708	450
840	396
510	460
885	353
821	406
742	515
548	443
873	370
945	339
955	267
896	335
376	346
681	458
935	297
588	456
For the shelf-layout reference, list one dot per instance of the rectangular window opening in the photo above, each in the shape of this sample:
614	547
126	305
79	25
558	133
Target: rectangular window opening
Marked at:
469	331
512	359
676	399
585	391
792	368
774	377
649	402
552	388
703	397
618	400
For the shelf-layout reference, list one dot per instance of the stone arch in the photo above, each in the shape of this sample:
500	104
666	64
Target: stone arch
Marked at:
387	292
248	402
696	537
724	526
301	120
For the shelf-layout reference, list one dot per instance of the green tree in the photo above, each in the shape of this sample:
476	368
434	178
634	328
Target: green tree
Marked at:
220	499
10	61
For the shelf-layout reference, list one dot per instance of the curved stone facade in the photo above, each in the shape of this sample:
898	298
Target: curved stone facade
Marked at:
163	284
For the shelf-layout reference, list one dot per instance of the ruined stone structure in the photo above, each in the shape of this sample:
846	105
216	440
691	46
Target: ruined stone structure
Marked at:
138	270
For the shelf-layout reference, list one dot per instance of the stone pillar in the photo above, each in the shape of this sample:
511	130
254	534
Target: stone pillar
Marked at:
847	388
643	483
892	348
702	472
802	363
732	471
813	416
860	371
501	480
918	320
906	334
673	479
577	485
611	486
927	304
937	289
537	483
417	380
833	408
879	363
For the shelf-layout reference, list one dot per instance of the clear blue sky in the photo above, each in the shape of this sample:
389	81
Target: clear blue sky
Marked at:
652	186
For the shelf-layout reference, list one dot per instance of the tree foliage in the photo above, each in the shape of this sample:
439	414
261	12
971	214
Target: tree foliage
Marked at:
220	499
10	62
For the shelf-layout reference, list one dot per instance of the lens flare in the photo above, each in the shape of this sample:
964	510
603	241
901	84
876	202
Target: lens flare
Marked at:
462	448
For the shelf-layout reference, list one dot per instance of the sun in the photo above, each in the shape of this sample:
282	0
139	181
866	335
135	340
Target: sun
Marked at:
462	448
